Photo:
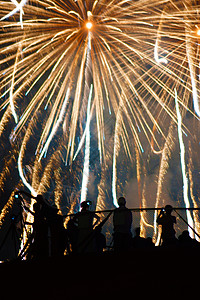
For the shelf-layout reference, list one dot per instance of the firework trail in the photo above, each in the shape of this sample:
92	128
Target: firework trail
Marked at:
19	7
132	53
164	165
87	153
115	154
192	189
183	167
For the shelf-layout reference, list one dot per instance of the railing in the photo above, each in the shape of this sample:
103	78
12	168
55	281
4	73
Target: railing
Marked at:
145	218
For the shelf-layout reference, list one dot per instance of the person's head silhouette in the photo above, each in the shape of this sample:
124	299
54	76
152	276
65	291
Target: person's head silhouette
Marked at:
121	201
85	205
168	209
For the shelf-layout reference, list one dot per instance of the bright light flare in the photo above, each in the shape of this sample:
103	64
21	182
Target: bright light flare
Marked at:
89	25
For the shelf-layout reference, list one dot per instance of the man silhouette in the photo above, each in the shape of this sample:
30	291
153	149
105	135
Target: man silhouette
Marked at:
84	222
122	221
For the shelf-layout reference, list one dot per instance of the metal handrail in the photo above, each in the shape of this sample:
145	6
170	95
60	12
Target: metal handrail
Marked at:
136	210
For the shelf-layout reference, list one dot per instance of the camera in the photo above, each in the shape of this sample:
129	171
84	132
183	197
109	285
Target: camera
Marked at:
17	195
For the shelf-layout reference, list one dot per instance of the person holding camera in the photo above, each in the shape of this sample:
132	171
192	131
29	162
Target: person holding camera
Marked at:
167	221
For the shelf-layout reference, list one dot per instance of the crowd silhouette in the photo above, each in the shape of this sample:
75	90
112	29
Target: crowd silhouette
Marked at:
83	233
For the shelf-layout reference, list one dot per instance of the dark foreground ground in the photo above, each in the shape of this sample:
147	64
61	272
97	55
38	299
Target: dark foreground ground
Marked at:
138	274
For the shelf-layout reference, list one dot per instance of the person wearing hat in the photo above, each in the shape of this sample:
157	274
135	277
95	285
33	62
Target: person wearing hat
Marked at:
122	222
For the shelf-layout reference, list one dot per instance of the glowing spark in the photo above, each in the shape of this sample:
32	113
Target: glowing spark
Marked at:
89	25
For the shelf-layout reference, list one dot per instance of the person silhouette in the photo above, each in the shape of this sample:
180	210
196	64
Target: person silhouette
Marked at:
138	241
122	222
167	221
39	242
186	241
84	222
48	235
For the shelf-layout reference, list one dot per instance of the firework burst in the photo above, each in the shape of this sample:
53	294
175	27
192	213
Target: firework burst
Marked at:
82	80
